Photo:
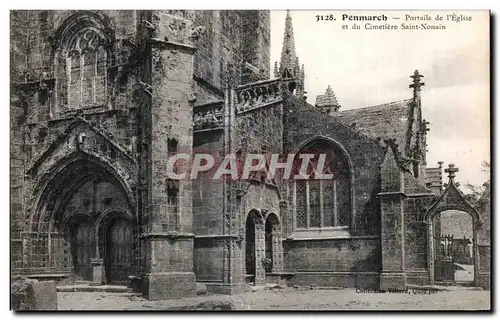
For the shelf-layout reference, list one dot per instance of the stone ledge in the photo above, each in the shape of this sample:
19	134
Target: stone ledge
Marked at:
47	275
89	288
333	234
392	194
337	273
168	235
163	44
279	273
217	236
208	129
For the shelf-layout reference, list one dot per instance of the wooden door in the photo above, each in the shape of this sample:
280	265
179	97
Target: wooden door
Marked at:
120	253
83	249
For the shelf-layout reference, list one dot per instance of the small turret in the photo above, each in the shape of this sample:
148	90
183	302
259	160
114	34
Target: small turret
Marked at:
328	102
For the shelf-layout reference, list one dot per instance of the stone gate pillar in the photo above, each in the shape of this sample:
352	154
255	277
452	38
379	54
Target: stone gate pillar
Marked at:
277	249
167	238
393	275
484	245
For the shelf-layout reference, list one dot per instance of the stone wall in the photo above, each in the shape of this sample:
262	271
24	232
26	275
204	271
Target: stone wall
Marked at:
484	242
255	45
348	262
232	38
415	241
18	109
208	207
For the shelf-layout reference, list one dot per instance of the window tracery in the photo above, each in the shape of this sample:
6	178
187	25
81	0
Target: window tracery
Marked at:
324	203
82	68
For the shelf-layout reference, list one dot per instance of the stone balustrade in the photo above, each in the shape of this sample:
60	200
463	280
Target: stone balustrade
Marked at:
208	116
258	94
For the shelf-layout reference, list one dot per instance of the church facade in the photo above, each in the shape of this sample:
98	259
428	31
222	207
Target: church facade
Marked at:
101	99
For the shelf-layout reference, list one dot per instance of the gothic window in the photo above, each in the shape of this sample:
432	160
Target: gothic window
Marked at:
324	203
82	80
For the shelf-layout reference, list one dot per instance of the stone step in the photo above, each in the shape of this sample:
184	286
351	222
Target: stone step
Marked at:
82	282
89	288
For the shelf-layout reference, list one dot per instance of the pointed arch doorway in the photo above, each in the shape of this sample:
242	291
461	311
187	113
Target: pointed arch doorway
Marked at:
263	247
451	199
87	215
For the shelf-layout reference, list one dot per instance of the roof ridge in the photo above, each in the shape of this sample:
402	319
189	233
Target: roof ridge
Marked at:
354	130
378	105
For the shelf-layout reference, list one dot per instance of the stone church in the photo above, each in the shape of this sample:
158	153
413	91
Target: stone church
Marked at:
101	99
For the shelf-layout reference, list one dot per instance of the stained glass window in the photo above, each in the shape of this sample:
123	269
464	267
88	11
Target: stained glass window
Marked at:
325	203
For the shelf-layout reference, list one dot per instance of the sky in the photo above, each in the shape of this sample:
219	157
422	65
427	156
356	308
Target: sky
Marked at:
370	67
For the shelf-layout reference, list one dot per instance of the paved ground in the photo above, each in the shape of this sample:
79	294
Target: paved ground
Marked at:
287	299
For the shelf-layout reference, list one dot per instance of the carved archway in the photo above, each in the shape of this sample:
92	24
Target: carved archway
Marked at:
451	199
64	176
77	188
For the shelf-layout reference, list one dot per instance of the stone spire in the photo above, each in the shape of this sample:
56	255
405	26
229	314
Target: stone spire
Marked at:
289	57
328	102
289	69
415	146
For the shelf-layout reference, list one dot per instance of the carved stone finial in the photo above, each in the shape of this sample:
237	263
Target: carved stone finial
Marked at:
416	84
329	91
426	124
197	32
451	171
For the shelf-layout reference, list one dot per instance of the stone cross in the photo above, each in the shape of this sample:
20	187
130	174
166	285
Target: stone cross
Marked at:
451	171
416	84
